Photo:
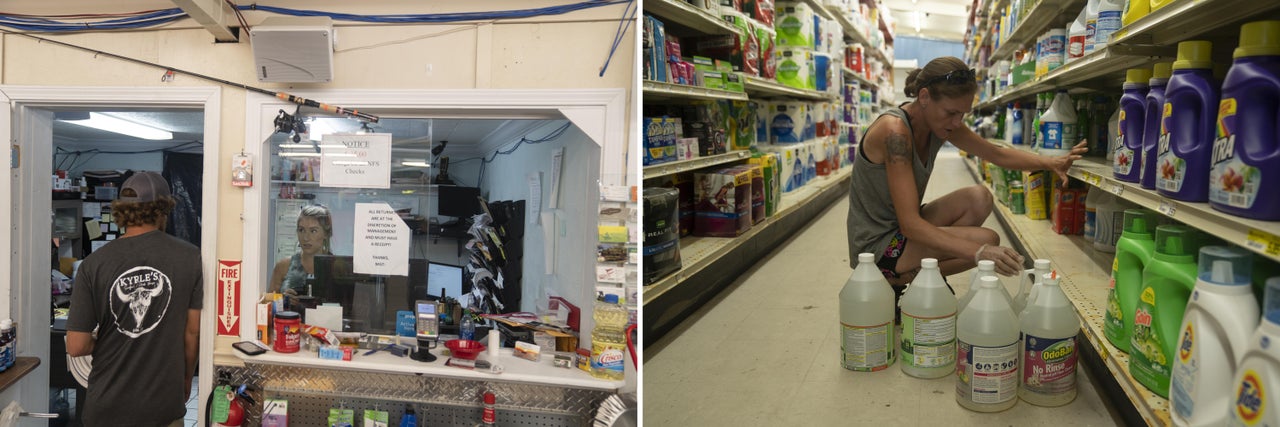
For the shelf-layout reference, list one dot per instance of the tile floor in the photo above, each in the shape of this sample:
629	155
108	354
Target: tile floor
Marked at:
765	350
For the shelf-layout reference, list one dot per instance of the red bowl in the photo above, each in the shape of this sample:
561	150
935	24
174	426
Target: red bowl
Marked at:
464	349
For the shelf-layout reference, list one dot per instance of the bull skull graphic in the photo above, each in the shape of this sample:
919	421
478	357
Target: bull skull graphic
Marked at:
138	287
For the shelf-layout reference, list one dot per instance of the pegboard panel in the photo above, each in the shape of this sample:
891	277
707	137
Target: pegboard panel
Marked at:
312	392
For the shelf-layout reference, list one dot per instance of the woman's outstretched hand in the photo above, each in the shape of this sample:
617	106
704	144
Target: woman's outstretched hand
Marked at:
1062	164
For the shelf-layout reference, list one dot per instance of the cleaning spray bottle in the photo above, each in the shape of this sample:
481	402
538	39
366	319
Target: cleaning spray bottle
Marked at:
1187	126
1127	165
987	352
1166	286
1049	330
1254	390
1151	126
1133	252
866	318
985	268
1215	334
1029	286
1246	149
928	325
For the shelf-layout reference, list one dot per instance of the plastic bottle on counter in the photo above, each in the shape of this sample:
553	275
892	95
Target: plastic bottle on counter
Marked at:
987	352
608	343
928	325
467	326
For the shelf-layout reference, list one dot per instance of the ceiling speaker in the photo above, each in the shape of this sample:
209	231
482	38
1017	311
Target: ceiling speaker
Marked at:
294	49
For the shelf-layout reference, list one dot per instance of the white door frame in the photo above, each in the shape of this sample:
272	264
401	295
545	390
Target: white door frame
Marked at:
599	113
18	241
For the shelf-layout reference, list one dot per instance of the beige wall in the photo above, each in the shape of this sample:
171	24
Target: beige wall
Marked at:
543	53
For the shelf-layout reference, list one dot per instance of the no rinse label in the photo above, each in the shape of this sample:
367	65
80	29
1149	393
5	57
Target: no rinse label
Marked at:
866	348
987	374
928	343
1049	365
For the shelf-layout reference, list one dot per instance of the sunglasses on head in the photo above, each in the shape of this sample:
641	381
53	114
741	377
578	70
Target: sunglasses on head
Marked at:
954	77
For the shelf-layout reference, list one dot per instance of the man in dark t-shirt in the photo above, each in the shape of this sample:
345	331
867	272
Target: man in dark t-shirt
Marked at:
135	307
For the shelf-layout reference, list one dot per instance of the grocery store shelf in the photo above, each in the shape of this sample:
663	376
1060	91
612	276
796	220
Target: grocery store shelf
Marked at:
682	13
819	9
1033	24
858	76
1085	274
852	32
697	253
758	86
659	90
679	166
1097	64
1182	20
1258	236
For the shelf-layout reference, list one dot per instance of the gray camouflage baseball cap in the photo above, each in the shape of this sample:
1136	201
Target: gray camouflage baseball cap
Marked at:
144	187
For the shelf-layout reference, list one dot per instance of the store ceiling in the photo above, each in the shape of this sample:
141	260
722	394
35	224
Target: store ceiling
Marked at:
937	19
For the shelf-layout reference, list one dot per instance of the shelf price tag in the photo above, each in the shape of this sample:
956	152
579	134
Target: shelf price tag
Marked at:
1115	188
1167	208
1263	241
1092	178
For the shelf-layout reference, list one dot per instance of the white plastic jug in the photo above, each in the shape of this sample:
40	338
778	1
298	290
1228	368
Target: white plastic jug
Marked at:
1077	36
1109	21
928	325
985	268
1029	285
1255	389
1049	351
1108	222
1091	25
1091	212
1213	337
866	319
1058	126
987	352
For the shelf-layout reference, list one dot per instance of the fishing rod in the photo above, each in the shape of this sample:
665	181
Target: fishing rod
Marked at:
282	95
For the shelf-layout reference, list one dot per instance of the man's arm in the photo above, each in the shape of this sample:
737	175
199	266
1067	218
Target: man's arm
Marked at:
191	346
79	343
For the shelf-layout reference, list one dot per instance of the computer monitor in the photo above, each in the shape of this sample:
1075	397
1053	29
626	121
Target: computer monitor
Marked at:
458	202
445	280
369	302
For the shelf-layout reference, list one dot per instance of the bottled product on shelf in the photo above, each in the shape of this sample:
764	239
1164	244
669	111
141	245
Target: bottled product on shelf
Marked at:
1214	336
1154	107
1133	252
1029	284
1058	126
866	318
1016	124
8	345
928	325
1167	282
1049	328
987	351
1091	201
1127	165
1187	125
1091	25
1109	21
489	417
1109	221
1245	145
1253	399
608	342
985	268
1134	9
1077	36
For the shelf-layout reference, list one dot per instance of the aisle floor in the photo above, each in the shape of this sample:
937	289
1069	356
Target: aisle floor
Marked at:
765	351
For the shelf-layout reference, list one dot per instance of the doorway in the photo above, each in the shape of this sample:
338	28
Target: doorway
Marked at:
88	164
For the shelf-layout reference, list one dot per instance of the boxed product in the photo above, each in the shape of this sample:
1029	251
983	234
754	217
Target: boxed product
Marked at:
758	212
772	181
659	140
265	315
686	148
661	241
712	79
1064	211
742	122
734	82
1036	194
706	122
790	167
655	58
722	203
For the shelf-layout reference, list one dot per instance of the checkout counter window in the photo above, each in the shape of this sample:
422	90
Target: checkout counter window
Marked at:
350	226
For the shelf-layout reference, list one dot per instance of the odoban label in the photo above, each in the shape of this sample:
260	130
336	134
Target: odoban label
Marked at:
1049	365
1250	399
1231	181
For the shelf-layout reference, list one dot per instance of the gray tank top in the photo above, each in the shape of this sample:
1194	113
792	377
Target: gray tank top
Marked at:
872	220
296	277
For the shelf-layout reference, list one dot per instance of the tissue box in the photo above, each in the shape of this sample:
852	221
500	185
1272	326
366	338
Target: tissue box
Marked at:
722	203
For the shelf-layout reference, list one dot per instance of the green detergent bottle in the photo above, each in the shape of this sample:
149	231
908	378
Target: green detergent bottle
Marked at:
1167	282
1133	251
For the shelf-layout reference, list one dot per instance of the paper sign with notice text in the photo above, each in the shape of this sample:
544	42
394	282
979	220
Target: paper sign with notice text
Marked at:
381	245
356	161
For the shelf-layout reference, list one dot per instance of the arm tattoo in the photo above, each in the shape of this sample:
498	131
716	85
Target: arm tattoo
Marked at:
899	148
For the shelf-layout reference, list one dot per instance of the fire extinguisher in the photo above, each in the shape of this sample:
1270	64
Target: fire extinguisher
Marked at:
238	403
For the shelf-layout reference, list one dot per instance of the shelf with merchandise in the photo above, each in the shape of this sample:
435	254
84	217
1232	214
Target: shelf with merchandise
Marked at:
758	87
658	90
680	166
855	33
1036	21
687	15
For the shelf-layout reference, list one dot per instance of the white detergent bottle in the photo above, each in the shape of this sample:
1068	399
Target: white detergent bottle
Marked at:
1109	21
987	352
1090	25
1213	337
1077	36
1091	212
1108	222
1029	285
1255	388
1058	127
866	318
1113	135
1049	352
985	268
928	325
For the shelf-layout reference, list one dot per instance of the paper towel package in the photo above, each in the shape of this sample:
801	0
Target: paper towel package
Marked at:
844	156
795	66
768	48
790	168
794	23
760	113
744	124
772	183
811	150
722	203
820	119
788	121
821	165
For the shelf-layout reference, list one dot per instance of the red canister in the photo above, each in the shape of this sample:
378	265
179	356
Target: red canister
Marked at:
288	332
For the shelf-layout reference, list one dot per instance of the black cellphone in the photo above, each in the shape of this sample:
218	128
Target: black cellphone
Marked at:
249	348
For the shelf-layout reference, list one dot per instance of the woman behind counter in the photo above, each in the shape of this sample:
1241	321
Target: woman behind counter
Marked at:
315	228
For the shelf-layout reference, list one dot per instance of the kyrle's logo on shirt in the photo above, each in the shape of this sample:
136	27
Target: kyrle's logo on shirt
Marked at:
134	294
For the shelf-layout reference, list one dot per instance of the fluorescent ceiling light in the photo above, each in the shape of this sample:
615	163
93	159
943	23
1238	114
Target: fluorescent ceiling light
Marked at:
121	126
416	163
299	154
350	163
919	20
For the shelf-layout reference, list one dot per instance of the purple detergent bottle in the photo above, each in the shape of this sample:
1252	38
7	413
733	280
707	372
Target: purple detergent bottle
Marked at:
1246	154
1151	125
1184	150
1127	165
